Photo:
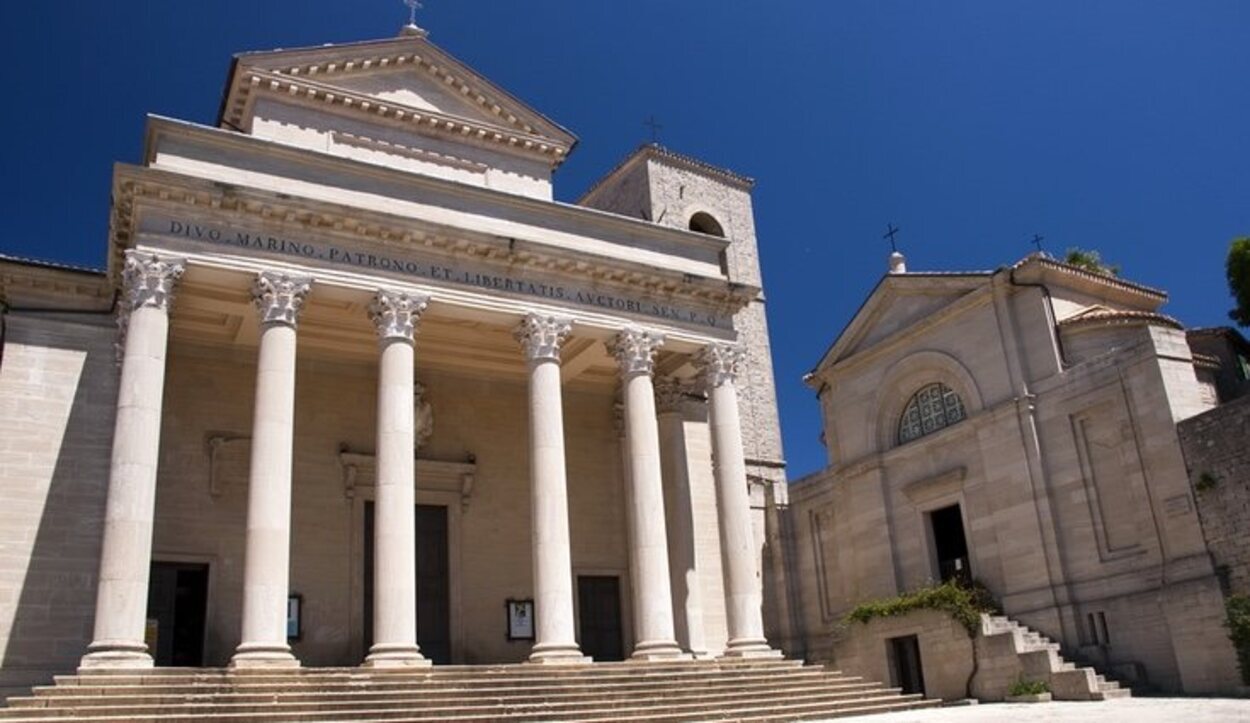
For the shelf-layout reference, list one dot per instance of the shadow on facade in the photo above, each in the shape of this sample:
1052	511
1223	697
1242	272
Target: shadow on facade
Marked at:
53	617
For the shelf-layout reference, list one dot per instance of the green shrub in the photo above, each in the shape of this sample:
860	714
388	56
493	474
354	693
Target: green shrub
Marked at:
1237	609
1206	482
965	603
1028	687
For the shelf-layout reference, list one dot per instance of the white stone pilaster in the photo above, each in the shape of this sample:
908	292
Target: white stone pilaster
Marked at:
718	364
671	396
555	639
148	283
279	299
635	350
395	315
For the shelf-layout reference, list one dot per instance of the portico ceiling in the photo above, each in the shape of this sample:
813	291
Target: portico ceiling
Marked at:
215	309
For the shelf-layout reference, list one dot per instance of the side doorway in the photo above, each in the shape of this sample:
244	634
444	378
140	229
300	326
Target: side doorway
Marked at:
950	545
599	615
177	611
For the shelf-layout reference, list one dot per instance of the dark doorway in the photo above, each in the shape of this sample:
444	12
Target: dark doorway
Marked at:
177	602
433	582
599	612
950	543
904	654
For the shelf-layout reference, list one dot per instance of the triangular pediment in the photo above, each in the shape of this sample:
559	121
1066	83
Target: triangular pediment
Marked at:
404	79
416	89
898	303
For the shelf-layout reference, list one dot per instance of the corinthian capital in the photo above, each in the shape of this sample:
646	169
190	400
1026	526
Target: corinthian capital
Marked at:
149	280
542	336
670	394
395	314
718	363
635	350
280	297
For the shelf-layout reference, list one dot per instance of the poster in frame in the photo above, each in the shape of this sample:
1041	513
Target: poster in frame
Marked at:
520	619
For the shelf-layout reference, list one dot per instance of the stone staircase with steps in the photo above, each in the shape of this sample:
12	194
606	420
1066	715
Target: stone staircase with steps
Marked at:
1008	650
772	690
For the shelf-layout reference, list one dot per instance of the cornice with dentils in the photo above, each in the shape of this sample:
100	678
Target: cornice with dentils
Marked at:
307	74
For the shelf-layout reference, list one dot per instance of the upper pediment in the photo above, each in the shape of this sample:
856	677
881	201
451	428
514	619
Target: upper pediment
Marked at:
405	83
898	302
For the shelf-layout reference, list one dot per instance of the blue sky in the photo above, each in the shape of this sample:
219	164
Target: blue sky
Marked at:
1120	125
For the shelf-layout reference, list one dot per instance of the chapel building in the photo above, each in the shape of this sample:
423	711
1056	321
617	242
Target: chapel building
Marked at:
1016	427
356	279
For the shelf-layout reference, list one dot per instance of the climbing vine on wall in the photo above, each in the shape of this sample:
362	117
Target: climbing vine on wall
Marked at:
1237	609
964	601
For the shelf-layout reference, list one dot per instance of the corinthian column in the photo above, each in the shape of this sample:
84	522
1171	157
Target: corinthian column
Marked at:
670	396
122	598
718	365
395	315
267	563
634	350
554	640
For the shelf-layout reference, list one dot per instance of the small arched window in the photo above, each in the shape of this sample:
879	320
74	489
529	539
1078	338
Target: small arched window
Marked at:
704	223
934	407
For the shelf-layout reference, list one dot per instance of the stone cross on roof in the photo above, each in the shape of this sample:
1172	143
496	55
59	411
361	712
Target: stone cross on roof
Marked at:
412	28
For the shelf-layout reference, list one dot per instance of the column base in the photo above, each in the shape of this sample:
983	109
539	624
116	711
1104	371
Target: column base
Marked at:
116	655
751	648
263	655
659	650
392	655
558	654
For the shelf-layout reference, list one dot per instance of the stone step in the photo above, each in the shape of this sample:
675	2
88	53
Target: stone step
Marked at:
592	710
1114	694
141	696
426	674
779	714
466	683
555	669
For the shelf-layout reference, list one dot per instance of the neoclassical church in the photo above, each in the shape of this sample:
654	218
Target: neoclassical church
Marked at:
1017	427
354	390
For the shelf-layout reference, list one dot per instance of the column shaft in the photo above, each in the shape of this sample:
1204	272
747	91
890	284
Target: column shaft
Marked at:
395	563
739	553
126	554
555	639
687	591
653	598
267	556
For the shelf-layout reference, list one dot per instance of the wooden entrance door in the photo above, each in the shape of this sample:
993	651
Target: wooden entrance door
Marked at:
433	582
599	613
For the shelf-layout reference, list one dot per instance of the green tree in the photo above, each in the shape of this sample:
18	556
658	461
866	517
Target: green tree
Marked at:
1238	268
1090	260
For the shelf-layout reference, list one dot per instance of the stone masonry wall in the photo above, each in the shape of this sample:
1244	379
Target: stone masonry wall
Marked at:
58	387
1217	454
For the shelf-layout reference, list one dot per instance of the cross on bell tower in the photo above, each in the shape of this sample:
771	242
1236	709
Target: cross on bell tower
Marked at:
655	127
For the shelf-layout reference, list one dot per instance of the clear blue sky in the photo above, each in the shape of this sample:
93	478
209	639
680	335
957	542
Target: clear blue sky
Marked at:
1121	125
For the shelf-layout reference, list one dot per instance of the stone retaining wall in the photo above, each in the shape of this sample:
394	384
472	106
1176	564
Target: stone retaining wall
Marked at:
1217	453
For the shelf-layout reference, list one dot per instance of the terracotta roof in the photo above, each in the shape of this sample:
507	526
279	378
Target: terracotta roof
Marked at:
656	150
1044	259
1101	315
43	263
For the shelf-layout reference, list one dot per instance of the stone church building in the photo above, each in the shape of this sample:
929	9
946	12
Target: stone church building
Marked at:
356	279
1017	427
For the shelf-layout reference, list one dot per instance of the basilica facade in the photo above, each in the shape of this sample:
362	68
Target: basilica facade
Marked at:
355	390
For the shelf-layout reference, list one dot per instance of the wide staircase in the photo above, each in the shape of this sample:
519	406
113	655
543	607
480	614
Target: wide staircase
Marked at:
1008	650
773	690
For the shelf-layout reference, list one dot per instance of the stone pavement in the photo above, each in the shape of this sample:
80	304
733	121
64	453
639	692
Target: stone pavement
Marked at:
1134	710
